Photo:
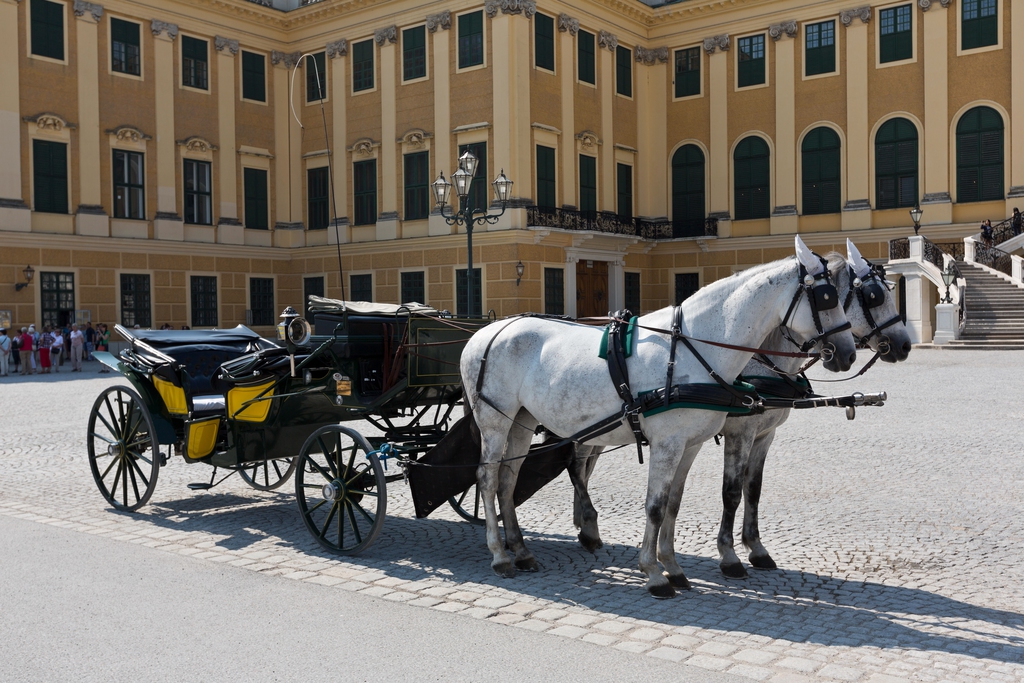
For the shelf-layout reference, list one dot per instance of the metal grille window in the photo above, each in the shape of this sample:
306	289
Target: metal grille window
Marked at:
751	167
311	286
585	57
365	185
198	193
50	176
624	185
979	23
688	192
195	66
478	188
362	66
624	71
413	288
632	292
135	301
58	294
204	301
896	39
124	47
688	72
687	285
545	177
254	76
316	77
979	156
417	185
261	300
318	198
821	171
588	183
361	287
414	53
751	61
47	29
257	211
820	52
544	41
471	39
896	165
129	188
460	293
554	291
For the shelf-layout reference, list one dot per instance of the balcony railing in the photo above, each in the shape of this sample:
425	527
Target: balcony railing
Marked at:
612	223
899	248
933	254
954	249
994	258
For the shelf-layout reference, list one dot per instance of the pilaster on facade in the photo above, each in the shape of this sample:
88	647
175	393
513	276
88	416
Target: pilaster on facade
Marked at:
846	17
716	47
568	27
14	212
925	5
167	224
1016	160
936	108
387	220
163	30
437	25
88	11
339	231
440	21
567	24
90	218
786	29
337	48
784	217
229	227
608	41
606	61
857	209
651	56
719	42
288	167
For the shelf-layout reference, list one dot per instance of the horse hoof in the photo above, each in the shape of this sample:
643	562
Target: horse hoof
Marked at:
734	571
504	569
528	564
662	591
763	562
590	544
679	581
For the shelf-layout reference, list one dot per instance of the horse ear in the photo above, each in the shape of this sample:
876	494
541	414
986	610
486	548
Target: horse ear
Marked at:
808	259
860	265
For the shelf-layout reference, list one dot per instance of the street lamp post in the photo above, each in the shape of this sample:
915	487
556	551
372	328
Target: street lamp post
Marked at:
915	215
467	215
947	279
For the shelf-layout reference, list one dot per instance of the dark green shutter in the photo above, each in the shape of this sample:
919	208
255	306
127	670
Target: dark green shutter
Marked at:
460	293
585	56
545	177
316	77
751	61
544	41
820	52
631	285
50	176
481	181
471	39
47	29
362	66
624	71
979	155
255	189
820	156
554	291
365	190
688	192
417	188
687	285
588	183
896	165
361	287
979	23
624	185
688	72
896	34
752	176
254	80
413	289
414	53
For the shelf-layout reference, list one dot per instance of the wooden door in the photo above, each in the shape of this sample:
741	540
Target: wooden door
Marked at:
591	289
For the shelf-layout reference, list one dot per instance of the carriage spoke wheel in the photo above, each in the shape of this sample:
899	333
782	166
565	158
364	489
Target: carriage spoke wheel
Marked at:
124	454
341	490
468	505
269	474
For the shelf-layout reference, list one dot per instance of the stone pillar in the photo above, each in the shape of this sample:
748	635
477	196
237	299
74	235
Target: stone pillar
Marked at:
387	220
857	210
337	51
287	203
90	218
568	27
919	321
14	212
438	26
652	140
936	114
570	285
947	323
1016	193
168	224
229	228
606	88
617	286
718	97
784	217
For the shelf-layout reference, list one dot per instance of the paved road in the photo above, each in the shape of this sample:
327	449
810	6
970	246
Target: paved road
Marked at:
898	537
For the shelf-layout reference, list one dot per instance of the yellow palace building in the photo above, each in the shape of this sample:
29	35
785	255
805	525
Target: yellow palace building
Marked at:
153	168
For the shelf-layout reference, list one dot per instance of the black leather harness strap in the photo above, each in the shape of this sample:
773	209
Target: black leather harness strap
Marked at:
620	377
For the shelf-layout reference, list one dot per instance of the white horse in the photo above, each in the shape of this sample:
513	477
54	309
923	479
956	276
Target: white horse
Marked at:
748	438
548	371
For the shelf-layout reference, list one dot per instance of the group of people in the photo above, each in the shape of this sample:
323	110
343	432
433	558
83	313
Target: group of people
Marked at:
31	352
1016	225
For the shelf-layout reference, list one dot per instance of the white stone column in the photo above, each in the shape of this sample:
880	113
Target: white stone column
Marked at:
936	114
14	212
784	217
919	320
857	210
168	224
90	218
387	220
568	27
438	26
229	228
715	49
652	141
337	52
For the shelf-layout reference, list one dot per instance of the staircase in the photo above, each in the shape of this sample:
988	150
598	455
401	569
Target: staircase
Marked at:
994	312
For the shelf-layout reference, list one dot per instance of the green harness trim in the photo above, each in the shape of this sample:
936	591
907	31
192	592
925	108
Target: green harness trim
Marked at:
711	389
628	340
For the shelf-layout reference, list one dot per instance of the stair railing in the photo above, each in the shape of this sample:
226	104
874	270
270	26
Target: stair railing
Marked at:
994	258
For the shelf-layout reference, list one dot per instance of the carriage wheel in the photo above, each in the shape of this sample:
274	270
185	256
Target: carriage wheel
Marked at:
341	490
269	474
469	506
123	452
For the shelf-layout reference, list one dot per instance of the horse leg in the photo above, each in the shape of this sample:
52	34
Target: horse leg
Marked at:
493	438
665	460
738	442
758	557
519	439
584	513
667	536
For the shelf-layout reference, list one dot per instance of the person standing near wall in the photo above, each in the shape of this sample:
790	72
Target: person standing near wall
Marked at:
1016	221
77	346
90	341
5	353
35	348
16	351
45	342
56	349
28	361
103	343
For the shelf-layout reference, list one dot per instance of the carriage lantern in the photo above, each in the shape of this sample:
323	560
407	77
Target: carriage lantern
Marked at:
947	279
287	316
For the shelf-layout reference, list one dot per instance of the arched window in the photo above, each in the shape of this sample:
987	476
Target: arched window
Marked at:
688	192
979	156
821	166
752	179
896	164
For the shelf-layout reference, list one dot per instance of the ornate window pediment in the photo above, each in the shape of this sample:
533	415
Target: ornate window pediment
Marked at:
415	139
588	140
364	147
48	121
197	144
128	134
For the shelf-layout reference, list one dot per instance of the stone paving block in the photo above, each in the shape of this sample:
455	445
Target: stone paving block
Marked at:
534	625
842	673
549	614
451	607
600	639
647	635
506	618
352	586
754	656
787	677
717	649
756	673
324	580
613	626
633	646
578	620
569	631
522	608
685	642
426	602
492	603
478	612
299	575
465	596
377	591
708	662
799	664
400	596
669	653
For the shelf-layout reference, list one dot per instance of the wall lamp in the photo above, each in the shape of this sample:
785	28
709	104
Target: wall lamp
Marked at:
29	273
520	269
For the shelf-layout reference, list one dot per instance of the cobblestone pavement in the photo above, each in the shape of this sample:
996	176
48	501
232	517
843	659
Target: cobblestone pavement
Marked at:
898	536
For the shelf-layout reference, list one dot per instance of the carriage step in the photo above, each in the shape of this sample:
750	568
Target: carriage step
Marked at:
200	485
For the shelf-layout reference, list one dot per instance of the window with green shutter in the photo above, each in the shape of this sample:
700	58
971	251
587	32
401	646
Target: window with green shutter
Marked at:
554	291
316	77
364	181
544	41
820	48
261	301
585	57
50	176
129	185
417	186
471	39
979	23
195	68
362	66
624	71
58	298
588	184
895	34
460	293
478	188
254	76
204	300
752	176
545	177
136	306
257	210
979	156
414	53
624	187
413	288
751	61
198	192
687	285
631	285
688	192
318	198
896	165
361	287
820	161
124	47
47	29
688	72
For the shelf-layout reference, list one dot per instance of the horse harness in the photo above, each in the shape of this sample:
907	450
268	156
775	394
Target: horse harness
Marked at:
870	292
